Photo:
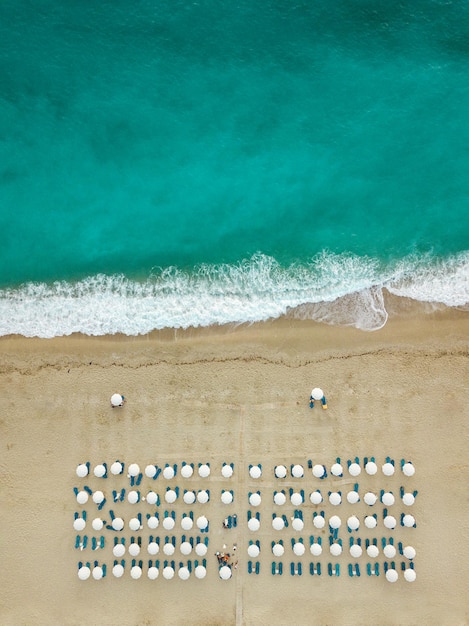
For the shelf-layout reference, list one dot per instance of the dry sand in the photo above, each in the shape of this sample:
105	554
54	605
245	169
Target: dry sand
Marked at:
241	395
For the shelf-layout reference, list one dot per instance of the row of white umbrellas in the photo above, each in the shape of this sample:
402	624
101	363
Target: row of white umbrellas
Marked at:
150	471
153	548
168	523
200	571
354	469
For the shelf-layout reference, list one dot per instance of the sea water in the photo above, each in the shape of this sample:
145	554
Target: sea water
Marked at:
176	164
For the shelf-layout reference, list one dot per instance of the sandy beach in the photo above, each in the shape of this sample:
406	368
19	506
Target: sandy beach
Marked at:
238	395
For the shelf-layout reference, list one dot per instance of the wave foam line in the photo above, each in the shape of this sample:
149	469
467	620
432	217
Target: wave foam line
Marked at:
342	289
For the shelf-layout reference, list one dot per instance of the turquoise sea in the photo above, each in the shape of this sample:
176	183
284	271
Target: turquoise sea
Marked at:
174	163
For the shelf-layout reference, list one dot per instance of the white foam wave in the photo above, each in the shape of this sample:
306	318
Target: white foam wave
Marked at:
335	289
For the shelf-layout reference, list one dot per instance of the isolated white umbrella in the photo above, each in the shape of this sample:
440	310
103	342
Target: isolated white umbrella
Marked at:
255	471
168	572
389	551
335	549
253	550
82	470
118	570
356	550
202	496
132	497
299	548
337	469
200	571
354	469
278	523
335	498
117	523
99	471
409	552
408	469
372	551
315	497
200	549
371	468
79	524
189	497
204	471
185	548
315	549
408	499
392	575
153	522
97	523
82	497
353	522
186	471
202	522
168	523
225	572
134	549
134	469
152	497
390	522
169	549
410	575
280	498
150	471
317	394
186	523
353	497
118	550
227	471
335	521
254	499
226	497
370	521
388	498
319	521
280	471
408	520
136	572
318	471
153	573
254	524
297	471
168	472
134	523
278	549
97	572
116	468
116	399
183	573
153	548
84	572
388	469
98	497
296	499
297	523
170	496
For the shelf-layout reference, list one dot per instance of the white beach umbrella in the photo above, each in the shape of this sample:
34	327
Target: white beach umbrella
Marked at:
84	572
319	521
408	499
372	551
168	572
189	497
297	523
170	496
278	549
280	498
132	497
335	498
150	471
202	522
134	549
317	394
116	399
200	549
318	471
152	497
390	522
409	552
254	499
200	571
226	497
410	575
353	497
227	471
168	523
118	550
337	469
134	469
255	471
169	549
204	471
356	550
253	550
153	548
371	468
335	549
408	520
353	522
136	572
82	470
99	471
225	572
116	468
335	521
280	471
97	523
296	499
354	469
392	575
388	498
118	570
183	573
98	497
389	551
370	498
186	471
82	497
185	548
315	549
168	472
117	523
297	471
254	524
153	573
134	523
153	522
278	523
186	523
299	548
315	497
408	469
97	572
79	524
202	496
370	521
388	469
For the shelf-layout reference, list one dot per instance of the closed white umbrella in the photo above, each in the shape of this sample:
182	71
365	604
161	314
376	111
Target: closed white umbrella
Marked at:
354	469
409	552
278	549
116	399
335	549
388	469
371	468
152	497
353	497
202	522
153	522
117	523
97	572
168	572
296	499
200	571
97	523
254	524
388	498
392	575
153	548
99	471
82	470
254	499
170	496
226	497
408	499
297	471
280	471
335	521
315	497
410	575
334	498
84	572
202	496
150	471
317	394
185	548
253	550
189	497
408	520
315	549
255	471
299	548
186	523
153	573
227	471
370	521
134	469
200	549
134	549
98	497
337	469
408	469
390	522
118	550
370	498
372	551
82	497
319	521
297	523
116	468
318	471
353	522
136	572
168	472
79	524
183	573
204	471
225	572
169	549
132	497
134	523
278	523
118	570
389	551
356	550
168	523
186	471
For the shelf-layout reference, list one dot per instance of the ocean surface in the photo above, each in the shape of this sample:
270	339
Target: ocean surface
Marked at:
167	163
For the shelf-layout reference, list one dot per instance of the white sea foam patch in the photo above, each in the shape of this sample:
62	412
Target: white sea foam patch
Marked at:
336	289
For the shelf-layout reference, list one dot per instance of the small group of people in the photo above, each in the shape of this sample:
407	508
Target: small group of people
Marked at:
226	558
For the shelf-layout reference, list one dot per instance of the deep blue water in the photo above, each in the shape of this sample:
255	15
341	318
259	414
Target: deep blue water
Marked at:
185	163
